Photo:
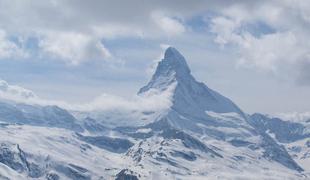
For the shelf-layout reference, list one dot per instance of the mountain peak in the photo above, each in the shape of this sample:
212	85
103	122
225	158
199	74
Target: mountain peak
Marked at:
175	61
171	68
190	97
172	52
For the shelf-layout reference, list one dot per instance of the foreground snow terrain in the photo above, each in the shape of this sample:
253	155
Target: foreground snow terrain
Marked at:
200	135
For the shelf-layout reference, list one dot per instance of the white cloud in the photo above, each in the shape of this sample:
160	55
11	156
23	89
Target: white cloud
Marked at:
225	28
114	30
268	51
97	20
72	30
73	47
15	93
295	116
168	24
153	100
9	49
281	44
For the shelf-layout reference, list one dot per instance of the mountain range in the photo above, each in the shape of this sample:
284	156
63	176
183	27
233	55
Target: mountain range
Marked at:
200	135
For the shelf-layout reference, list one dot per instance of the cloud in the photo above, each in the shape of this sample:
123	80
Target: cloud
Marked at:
303	75
295	116
153	100
73	47
15	93
268	35
268	51
171	26
276	43
64	27
9	49
224	28
73	30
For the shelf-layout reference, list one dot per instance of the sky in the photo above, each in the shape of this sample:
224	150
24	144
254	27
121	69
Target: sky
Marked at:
257	53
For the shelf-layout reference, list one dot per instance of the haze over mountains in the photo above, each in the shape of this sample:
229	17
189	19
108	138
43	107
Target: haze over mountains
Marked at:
177	128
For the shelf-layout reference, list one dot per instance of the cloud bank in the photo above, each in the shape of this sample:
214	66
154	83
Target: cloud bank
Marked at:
154	100
15	93
295	116
271	36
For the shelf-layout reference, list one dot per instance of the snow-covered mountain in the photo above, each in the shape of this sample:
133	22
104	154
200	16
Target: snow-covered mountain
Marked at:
283	131
201	135
294	136
192	100
47	116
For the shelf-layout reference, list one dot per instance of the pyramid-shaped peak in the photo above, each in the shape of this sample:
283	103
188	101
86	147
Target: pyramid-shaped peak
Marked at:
171	68
189	96
173	60
172	52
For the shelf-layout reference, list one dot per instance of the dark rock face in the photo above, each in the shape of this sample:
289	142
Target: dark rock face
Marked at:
188	141
116	145
58	117
93	126
15	158
73	172
284	131
308	143
240	143
126	174
275	152
190	156
11	114
132	132
52	176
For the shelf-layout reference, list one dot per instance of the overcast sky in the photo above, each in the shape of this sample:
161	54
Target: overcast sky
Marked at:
257	53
